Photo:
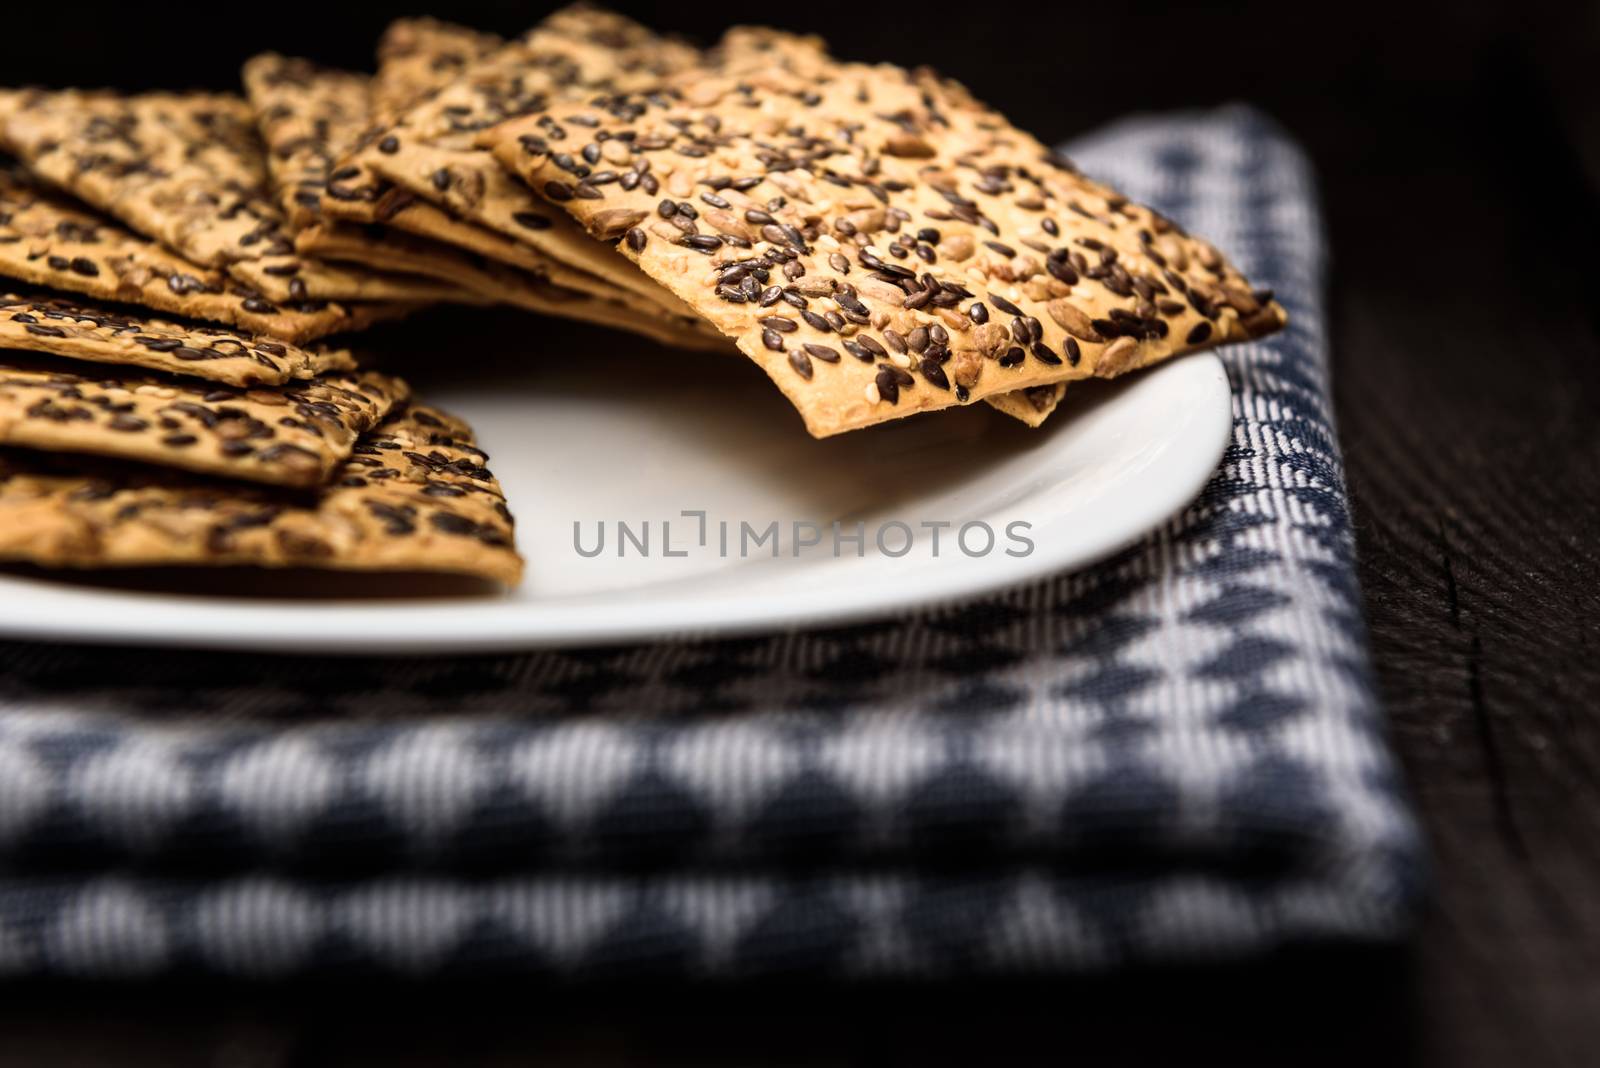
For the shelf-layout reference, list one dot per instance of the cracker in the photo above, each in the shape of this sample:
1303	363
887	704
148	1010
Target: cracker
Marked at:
307	116
233	357
306	112
297	435
183	168
429	151
373	243
499	284
290	279
417	56
357	195
402	210
1032	405
477	189
876	240
186	169
598	272
414	497
47	240
414	50
572	51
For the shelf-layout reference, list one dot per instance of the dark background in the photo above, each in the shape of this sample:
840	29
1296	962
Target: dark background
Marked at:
1459	148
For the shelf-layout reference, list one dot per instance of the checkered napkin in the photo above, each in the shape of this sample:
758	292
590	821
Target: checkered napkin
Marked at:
1174	755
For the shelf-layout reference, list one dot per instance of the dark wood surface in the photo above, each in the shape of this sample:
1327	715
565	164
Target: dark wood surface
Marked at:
1468	390
1459	147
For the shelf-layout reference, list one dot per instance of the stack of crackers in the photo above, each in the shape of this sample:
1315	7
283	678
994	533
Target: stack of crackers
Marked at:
876	240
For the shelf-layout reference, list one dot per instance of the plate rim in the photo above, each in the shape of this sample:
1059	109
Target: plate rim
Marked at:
492	627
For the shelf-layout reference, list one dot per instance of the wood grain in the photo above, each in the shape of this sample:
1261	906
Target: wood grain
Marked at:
1474	459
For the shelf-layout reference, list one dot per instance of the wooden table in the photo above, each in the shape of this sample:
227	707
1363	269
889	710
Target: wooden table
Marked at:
1460	156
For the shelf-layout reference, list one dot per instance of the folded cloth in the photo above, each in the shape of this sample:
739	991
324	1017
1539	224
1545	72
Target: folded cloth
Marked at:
1174	755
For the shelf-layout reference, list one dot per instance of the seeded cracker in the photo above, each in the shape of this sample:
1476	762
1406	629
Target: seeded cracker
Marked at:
414	497
580	48
434	140
157	161
232	357
186	170
294	436
429	151
501	284
582	265
876	240
400	210
308	115
276	281
47	240
1032	405
747	50
417	56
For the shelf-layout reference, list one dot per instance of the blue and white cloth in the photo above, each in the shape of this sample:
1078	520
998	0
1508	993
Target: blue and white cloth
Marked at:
1176	755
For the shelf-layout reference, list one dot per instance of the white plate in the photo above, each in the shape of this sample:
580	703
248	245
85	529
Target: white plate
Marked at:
591	442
